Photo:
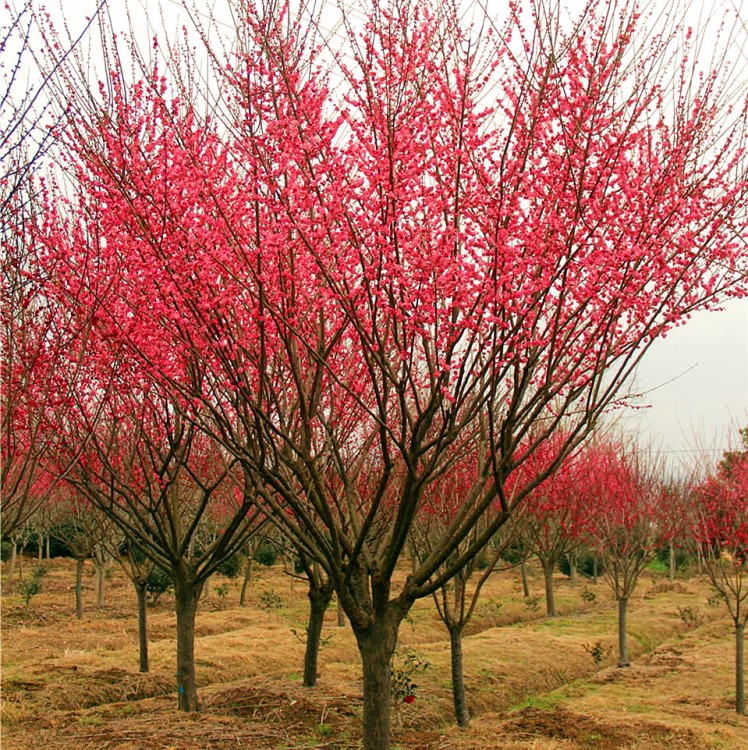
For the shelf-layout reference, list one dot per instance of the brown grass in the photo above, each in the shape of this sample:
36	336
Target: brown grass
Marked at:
531	681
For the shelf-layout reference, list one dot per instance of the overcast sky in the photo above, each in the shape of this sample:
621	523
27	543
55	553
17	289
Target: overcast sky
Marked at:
699	374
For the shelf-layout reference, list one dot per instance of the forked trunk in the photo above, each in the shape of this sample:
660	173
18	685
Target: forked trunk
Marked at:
187	594
550	597
319	599
623	649
376	644
462	715
79	587
140	588
739	661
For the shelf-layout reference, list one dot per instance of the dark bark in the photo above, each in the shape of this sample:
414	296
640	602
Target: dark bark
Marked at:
187	593
623	651
376	644
525	582
739	662
550	597
462	715
341	615
140	588
79	587
319	600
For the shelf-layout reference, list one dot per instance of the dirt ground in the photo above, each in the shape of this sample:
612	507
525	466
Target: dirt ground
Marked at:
532	681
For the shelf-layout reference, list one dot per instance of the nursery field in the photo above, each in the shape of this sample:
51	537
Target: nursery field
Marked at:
533	682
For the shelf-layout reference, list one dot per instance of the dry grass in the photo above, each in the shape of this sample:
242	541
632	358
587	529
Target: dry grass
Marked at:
532	683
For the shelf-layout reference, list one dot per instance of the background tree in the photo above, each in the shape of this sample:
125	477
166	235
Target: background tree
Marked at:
464	232
552	522
630	518
32	332
159	480
720	531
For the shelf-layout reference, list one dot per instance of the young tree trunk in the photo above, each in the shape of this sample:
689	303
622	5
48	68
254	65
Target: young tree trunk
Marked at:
376	644
623	650
247	579
40	548
672	560
595	571
573	567
99	566
525	582
79	563
48	545
462	715
739	662
550	597
13	557
319	599
140	588
187	595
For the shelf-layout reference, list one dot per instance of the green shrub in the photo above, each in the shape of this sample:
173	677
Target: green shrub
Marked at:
6	550
157	583
270	600
266	554
231	566
31	586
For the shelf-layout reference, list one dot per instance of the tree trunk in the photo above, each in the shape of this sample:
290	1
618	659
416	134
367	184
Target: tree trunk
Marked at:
672	560
739	675
319	599
462	715
99	565
550	598
140	587
246	581
341	615
13	557
623	650
376	644
79	563
595	571
572	557
525	582
48	544
186	593
40	548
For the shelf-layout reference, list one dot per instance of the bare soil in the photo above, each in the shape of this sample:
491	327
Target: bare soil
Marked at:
532	682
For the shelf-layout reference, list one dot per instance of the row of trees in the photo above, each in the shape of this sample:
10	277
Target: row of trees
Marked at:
634	516
335	282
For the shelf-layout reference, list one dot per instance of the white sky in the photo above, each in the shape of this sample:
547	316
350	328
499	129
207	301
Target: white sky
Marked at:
695	380
699	374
